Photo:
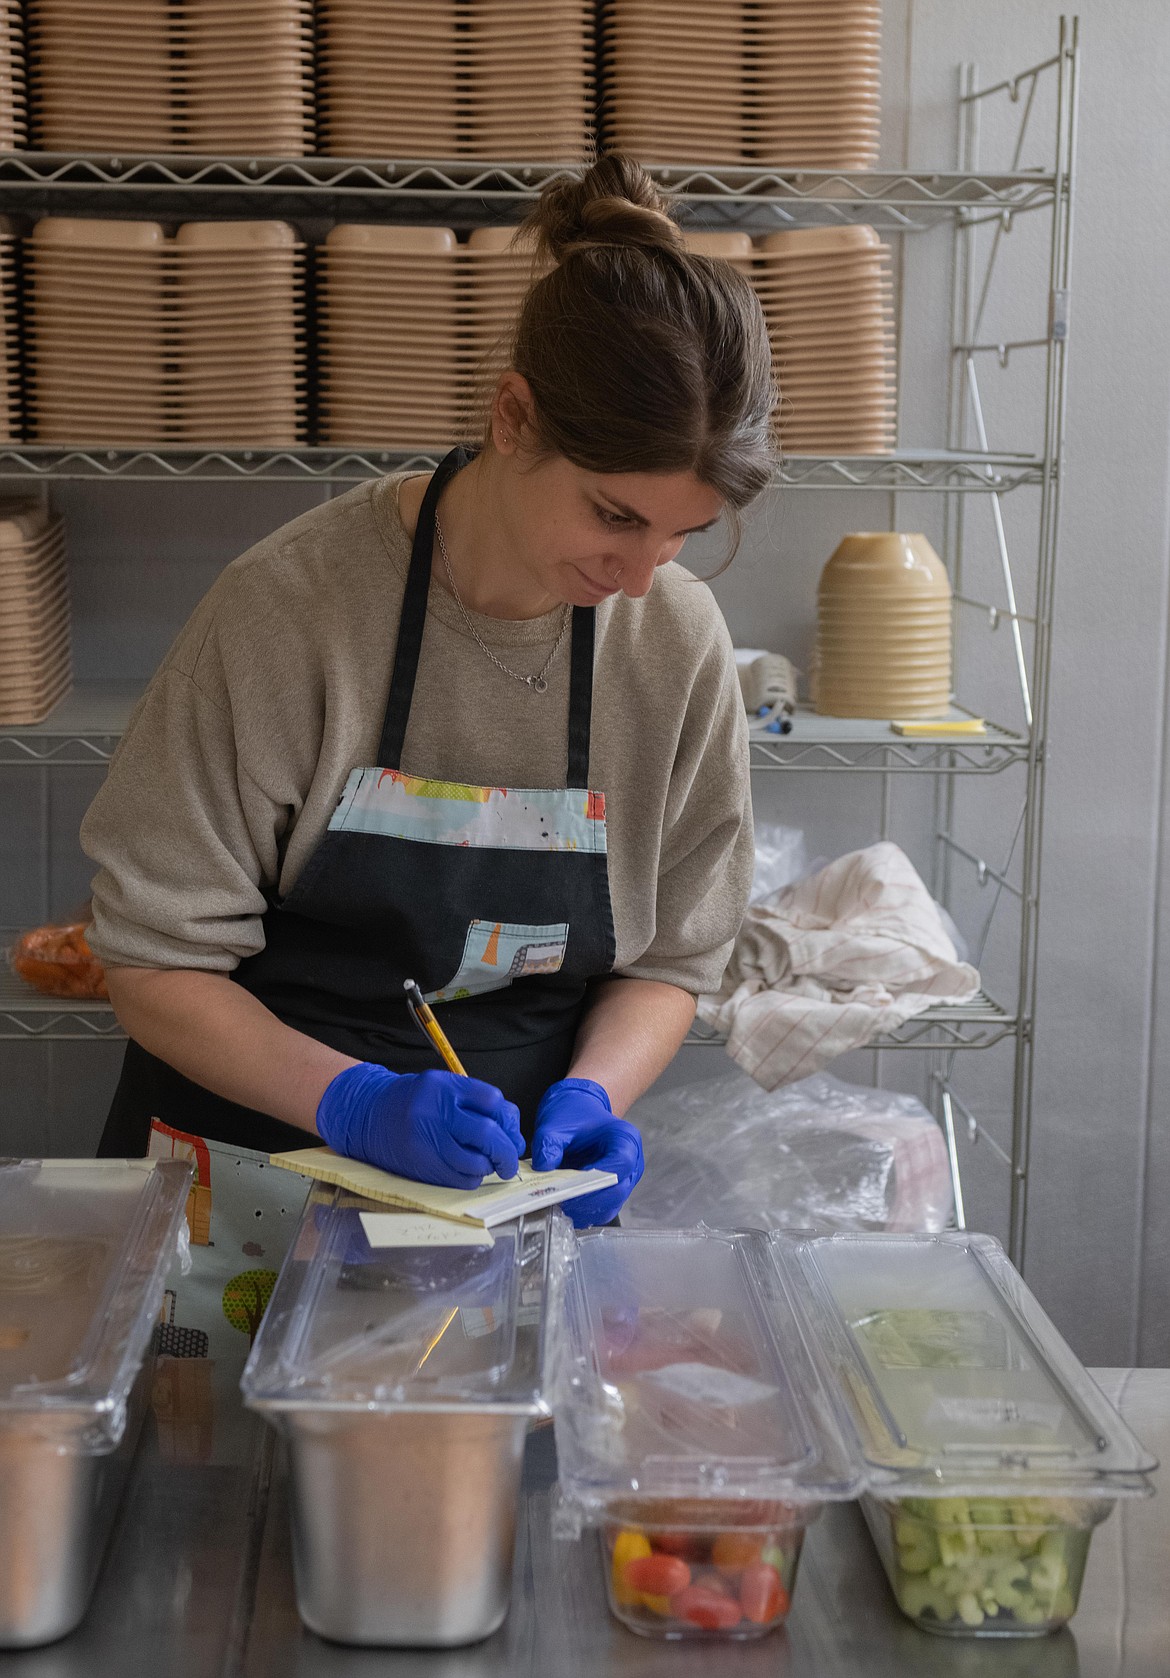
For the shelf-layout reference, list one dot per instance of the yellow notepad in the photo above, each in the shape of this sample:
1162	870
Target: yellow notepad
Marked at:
495	1201
944	725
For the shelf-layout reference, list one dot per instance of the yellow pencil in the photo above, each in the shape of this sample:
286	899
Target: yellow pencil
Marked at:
425	1019
422	1015
435	1338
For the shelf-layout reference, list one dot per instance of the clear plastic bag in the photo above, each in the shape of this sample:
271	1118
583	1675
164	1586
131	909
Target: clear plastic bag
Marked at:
56	959
815	1154
781	858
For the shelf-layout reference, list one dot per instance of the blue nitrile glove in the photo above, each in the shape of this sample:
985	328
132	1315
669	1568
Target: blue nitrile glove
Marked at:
576	1126
433	1126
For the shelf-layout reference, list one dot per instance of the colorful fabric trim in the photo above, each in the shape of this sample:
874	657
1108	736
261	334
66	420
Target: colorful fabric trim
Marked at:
450	813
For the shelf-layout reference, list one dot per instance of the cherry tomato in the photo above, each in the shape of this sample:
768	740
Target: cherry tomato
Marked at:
761	1594
733	1550
657	1575
700	1606
684	1544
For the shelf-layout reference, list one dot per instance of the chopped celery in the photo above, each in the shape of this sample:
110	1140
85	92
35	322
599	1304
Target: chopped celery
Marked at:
987	1564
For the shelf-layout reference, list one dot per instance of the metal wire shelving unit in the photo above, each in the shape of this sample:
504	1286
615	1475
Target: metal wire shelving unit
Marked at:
971	478
1014	878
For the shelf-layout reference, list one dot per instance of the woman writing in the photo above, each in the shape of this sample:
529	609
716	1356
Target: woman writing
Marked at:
474	729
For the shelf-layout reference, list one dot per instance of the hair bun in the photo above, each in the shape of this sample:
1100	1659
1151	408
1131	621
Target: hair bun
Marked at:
614	203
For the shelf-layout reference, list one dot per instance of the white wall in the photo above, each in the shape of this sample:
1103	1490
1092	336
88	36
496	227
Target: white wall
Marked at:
1099	1238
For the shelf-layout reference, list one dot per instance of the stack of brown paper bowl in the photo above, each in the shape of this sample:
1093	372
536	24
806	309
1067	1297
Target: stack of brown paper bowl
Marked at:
828	298
243	77
883	629
674	80
389	363
497	274
35	671
100	73
814	99
95	331
735	248
13	90
239	334
387	81
9	349
528	82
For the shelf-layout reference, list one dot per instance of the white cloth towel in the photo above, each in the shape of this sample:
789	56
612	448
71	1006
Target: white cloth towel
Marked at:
832	962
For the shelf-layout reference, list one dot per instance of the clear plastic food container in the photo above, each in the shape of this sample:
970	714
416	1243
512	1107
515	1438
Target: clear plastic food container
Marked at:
682	1567
85	1246
989	1566
404	1380
990	1453
693	1428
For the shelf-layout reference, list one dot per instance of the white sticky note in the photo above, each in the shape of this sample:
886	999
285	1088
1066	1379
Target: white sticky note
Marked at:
415	1229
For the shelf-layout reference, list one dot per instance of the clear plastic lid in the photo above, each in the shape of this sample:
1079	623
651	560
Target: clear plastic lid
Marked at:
682	1369
955	1380
85	1246
355	1327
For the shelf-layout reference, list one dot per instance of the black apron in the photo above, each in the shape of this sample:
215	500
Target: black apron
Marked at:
495	899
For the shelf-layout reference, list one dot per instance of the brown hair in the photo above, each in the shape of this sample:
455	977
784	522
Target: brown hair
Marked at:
642	356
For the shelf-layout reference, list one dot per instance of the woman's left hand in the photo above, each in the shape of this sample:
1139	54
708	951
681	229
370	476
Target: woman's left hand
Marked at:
576	1127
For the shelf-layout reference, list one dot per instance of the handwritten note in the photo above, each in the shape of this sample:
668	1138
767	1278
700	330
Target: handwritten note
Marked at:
413	1229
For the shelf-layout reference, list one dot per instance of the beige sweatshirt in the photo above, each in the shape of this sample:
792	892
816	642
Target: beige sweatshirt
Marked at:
276	688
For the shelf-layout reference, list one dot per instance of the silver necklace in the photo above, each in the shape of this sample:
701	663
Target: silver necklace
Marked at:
537	683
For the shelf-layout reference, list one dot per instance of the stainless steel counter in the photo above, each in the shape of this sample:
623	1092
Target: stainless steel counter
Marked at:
198	1584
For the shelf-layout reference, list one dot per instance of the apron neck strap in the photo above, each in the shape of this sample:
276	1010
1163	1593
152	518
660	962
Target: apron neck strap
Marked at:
412	622
413	619
580	696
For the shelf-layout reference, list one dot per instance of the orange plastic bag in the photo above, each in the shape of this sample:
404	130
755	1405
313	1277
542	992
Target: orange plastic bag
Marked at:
58	961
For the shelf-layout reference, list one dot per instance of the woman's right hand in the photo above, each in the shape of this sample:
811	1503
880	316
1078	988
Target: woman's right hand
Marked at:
436	1127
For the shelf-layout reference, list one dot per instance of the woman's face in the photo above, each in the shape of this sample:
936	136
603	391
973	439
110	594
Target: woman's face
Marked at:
585	535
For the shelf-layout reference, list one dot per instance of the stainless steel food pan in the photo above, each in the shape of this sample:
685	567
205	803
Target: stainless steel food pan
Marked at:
404	1523
57	1505
85	1246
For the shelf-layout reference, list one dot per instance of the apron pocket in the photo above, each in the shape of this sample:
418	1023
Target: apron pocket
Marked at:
496	952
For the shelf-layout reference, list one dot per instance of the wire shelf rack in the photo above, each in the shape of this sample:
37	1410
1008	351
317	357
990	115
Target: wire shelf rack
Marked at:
27	1015
978	1024
860	743
906	470
896	201
84	729
81	732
